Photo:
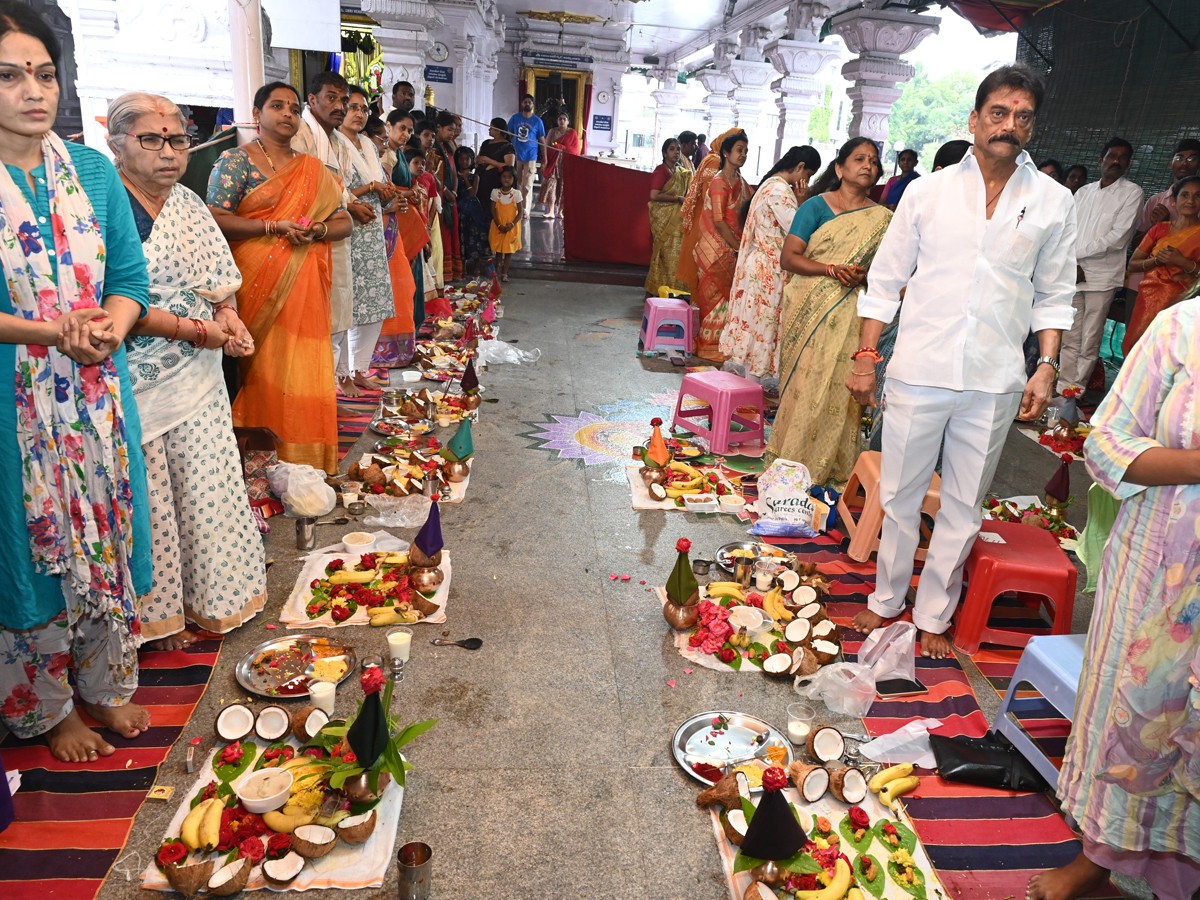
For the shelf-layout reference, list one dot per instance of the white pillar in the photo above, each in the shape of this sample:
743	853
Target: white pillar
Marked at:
404	36
245	34
666	111
800	58
879	37
718	102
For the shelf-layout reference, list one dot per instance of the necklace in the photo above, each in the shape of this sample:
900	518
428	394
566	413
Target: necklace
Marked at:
267	156
153	205
995	197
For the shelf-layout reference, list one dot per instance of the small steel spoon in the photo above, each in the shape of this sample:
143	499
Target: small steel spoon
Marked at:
465	643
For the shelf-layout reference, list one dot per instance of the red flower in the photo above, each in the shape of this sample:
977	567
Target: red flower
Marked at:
859	818
232	754
802	883
252	849
696	639
889	828
377	489
279	845
227	838
683	545
210	791
781	647
350	757
1067	458
21	701
726	654
367	561
372	680
314	752
171	852
655	422
340	613
774	779
334	566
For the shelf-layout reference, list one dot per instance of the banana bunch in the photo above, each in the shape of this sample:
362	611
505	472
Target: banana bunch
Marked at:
693	485
741	639
201	829
893	783
344	576
721	589
390	615
773	606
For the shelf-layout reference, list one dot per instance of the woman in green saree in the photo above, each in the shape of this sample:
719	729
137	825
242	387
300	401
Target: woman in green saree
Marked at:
668	186
832	241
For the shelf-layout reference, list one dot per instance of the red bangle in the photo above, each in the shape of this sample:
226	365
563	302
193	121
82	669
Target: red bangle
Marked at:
201	334
869	352
178	322
829	271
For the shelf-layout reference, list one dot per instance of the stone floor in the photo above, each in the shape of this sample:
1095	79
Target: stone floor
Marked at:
548	774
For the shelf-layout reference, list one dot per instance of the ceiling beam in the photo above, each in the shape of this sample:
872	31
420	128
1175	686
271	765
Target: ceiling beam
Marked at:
750	16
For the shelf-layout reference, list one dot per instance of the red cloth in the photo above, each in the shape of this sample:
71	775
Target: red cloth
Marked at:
607	221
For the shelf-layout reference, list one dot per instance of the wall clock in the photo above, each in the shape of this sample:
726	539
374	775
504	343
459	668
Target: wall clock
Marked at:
439	52
603	97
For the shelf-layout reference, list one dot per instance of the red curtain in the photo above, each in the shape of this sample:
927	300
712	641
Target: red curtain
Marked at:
605	218
585	126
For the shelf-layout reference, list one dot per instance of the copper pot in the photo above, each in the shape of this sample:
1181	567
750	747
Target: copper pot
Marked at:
769	874
680	617
472	401
456	471
358	789
425	579
652	475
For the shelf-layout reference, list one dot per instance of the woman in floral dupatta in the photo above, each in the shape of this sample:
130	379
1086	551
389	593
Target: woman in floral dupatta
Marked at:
73	503
831	243
668	188
279	210
717	245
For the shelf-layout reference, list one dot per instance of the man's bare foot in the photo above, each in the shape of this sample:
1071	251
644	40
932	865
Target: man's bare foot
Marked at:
72	741
1067	882
866	622
348	387
345	412
936	646
179	641
369	384
128	721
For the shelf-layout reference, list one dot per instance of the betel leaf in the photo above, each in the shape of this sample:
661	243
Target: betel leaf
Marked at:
736	662
341	776
801	863
231	772
760	653
748	809
744	863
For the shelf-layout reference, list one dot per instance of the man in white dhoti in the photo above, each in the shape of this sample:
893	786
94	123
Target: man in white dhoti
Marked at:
986	249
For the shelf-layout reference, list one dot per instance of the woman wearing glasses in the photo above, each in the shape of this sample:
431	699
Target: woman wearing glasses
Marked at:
209	568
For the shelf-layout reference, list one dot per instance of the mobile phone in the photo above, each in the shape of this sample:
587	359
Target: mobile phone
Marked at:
899	687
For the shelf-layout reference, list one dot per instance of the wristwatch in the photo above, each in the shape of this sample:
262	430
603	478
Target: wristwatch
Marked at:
1050	361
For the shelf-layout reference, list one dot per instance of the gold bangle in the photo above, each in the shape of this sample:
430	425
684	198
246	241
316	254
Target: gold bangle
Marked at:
862	374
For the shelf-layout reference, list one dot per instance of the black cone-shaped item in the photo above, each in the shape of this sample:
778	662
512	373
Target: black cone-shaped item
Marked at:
368	735
774	832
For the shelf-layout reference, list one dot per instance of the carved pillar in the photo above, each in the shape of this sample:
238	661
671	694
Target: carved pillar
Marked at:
879	37
666	110
800	59
404	36
718	102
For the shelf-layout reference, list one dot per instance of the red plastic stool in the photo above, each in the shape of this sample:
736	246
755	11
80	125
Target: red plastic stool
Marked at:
663	312
861	514
723	394
1028	562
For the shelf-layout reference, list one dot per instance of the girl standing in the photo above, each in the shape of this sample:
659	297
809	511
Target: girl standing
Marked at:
505	234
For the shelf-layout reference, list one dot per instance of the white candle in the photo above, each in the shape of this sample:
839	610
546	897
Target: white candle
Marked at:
322	695
400	643
798	732
762	580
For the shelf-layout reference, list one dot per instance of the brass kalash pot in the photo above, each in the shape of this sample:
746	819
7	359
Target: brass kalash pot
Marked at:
423	573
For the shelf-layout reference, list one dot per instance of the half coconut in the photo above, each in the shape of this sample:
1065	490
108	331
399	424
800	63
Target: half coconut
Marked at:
235	722
826	744
189	880
307	721
824	630
814	612
356	829
789	581
798	631
733	823
825	651
811	781
282	872
849	785
230	879
778	665
803	594
313	841
657	491
804	662
272	723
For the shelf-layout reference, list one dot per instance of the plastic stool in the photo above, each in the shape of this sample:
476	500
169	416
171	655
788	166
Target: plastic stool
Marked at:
1029	561
662	312
864	528
1052	665
723	393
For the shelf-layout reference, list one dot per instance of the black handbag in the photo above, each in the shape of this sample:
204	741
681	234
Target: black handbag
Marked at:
989	761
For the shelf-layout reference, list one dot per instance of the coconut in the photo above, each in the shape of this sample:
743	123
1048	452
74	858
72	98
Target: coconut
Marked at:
826	744
759	890
804	662
306	722
356	829
724	792
230	879
824	630
282	872
789	581
798	631
235	722
657	491
733	823
849	785
313	841
811	781
423	605
778	665
815	612
803	594
825	651
422	560
188	880
272	723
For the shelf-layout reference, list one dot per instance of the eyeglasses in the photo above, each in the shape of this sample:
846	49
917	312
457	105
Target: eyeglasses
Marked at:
1189	158
156	141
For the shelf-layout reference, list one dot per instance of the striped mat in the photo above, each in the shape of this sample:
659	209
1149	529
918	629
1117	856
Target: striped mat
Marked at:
986	844
71	822
351	427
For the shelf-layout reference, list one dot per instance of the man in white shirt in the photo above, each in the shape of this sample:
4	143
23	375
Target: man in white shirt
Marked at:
986	251
1106	213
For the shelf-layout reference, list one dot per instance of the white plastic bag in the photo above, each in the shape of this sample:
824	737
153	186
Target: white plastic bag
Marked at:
499	352
846	688
307	495
909	743
279	475
888	652
398	512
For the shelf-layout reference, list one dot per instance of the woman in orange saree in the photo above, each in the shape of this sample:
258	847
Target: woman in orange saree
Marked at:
693	204
1169	254
279	210
717	245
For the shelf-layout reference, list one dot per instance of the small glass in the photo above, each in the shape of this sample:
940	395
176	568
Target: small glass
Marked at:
764	574
399	642
370	661
322	695
800	722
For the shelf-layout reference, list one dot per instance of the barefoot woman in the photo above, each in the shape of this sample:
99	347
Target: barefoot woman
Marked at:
73	500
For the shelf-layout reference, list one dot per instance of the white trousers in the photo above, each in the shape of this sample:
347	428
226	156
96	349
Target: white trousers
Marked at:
352	348
1081	345
970	428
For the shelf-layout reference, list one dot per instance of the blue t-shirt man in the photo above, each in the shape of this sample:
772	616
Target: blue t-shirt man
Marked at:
527	129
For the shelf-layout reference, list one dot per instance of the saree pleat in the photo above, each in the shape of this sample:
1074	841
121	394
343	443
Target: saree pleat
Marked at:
288	384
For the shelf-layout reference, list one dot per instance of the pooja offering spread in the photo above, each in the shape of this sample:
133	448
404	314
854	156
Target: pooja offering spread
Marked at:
286	667
396	426
670	481
710	744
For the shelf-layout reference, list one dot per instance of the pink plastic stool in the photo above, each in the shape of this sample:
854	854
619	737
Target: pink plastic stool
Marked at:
861	514
1028	562
723	393
661	312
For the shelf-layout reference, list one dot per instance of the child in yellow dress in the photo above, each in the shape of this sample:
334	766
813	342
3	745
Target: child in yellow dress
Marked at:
505	233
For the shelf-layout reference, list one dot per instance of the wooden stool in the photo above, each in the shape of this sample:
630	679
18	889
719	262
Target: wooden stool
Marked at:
1029	561
864	528
723	393
664	312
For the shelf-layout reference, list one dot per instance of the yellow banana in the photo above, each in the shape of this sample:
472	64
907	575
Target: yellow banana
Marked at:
891	774
210	825
838	885
677	466
675	492
189	831
344	577
277	821
897	788
396	617
729	589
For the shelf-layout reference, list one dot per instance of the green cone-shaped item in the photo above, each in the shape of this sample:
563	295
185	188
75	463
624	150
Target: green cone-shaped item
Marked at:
681	583
461	447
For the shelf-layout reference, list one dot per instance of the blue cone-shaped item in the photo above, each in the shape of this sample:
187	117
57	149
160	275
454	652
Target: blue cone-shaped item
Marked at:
429	538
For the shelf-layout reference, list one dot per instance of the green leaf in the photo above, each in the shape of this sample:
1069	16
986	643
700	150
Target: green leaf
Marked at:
341	776
413	731
744	863
748	809
802	864
736	662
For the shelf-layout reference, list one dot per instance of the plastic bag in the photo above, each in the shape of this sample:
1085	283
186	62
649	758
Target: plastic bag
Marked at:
307	495
909	743
888	652
279	475
784	504
398	512
846	688
499	352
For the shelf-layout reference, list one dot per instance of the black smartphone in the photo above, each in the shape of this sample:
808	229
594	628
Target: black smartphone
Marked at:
899	687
